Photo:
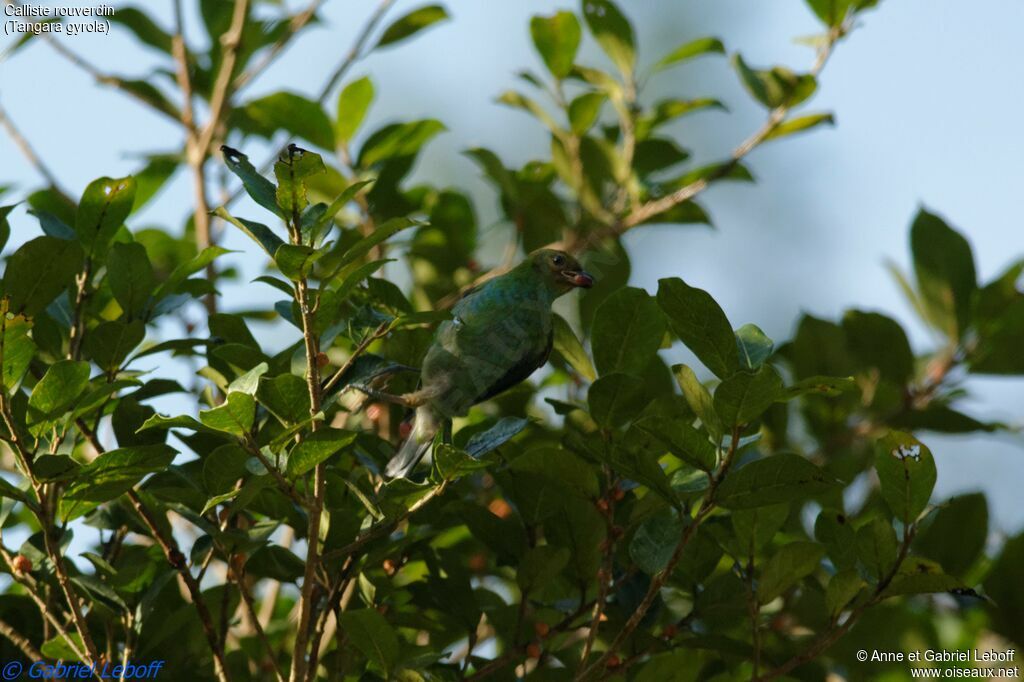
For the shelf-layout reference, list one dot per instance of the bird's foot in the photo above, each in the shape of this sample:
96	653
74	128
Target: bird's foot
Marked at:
381	396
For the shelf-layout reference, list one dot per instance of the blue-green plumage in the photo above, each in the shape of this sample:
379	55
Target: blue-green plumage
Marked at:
499	334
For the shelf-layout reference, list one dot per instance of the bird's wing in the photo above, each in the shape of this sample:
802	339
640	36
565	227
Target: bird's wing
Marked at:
526	366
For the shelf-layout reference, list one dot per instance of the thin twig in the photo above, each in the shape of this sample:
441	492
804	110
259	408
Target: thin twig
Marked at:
19	640
354	52
297	23
250	608
828	638
775	117
23	145
707	506
177	560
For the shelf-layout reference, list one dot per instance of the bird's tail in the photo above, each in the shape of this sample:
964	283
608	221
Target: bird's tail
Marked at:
425	426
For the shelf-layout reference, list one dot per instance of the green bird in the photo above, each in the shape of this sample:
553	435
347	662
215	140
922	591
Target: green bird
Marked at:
498	335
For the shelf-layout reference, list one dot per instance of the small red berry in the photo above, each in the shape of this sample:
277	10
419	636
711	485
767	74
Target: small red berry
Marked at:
541	628
670	631
322	360
405	429
478	562
500	508
389	567
22	564
613	661
533	650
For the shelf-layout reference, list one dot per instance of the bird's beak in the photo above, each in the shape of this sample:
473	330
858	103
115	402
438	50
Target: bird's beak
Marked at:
579	278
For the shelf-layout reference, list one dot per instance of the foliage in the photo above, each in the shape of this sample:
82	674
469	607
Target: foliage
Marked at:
646	523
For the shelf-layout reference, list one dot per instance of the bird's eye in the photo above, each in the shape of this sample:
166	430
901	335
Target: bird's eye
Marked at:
558	261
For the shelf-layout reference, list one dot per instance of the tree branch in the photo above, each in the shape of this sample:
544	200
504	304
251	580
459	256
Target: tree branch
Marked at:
177	560
297	23
707	506
354	52
654	207
29	152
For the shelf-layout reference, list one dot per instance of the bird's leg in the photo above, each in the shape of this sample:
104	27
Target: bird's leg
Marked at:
381	396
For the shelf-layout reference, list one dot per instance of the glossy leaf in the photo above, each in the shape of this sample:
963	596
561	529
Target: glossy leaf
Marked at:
906	472
411	24
772	480
105	204
353	103
699	322
556	37
39	270
628	329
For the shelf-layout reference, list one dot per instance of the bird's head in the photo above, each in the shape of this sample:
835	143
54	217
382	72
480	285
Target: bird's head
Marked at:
560	271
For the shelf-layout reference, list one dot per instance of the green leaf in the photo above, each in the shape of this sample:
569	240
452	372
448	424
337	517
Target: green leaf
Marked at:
831	12
699	400
780	478
317	447
347	195
503	431
353	103
906	473
744	396
286	396
5	226
964	517
777	87
59	648
754	346
112	474
39	270
687	51
819	385
612	31
258	232
580	529
234	416
540	566
571	349
275	562
842	588
296	261
756	527
411	24
382	233
879	341
130	275
584	111
144	28
944	268
627	331
111	342
256	186
921	576
655	541
105	204
835	531
397	140
616	398
188	268
57	391
699	322
798	124
682	440
790	564
453	463
373	636
670	109
294	167
564	470
876	547
248	382
556	37
288	111
1002	584
19	348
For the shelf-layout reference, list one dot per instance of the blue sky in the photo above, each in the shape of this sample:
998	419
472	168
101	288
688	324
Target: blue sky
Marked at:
928	104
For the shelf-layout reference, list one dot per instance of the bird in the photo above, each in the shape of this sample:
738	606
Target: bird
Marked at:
499	333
